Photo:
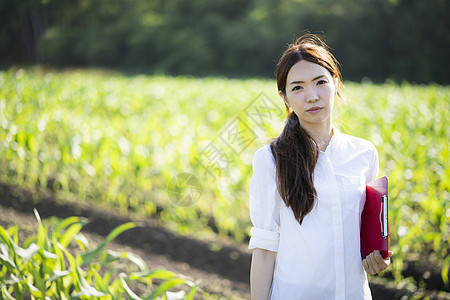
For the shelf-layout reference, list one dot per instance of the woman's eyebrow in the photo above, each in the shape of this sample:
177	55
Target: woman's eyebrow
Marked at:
315	78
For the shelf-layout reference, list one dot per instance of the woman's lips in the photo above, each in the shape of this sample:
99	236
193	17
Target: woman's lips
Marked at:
314	109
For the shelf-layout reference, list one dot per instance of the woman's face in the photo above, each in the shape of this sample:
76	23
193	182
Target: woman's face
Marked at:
310	91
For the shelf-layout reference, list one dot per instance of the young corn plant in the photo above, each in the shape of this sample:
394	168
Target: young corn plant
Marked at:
56	264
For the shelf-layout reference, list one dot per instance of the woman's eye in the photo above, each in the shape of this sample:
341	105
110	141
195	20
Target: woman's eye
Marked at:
321	82
296	88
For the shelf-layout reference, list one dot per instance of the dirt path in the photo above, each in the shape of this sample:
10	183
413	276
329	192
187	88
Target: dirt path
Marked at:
221	266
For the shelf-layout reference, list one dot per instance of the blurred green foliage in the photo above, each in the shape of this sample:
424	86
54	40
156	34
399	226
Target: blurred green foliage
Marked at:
399	39
119	141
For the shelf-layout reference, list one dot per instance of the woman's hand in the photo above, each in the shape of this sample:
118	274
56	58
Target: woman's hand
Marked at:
374	262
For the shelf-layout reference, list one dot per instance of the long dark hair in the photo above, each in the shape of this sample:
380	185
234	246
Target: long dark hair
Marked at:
294	150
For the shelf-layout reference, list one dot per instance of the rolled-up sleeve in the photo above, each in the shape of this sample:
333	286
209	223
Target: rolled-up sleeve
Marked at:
264	202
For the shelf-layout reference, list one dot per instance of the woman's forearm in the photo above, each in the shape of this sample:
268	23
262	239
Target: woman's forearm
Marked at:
261	273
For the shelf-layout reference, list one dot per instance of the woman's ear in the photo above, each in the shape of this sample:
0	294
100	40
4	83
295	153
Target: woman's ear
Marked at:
283	96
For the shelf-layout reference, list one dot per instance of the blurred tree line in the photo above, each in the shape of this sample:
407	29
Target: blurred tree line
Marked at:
379	39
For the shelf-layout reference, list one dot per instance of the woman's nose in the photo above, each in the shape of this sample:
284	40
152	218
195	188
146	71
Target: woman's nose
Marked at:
312	96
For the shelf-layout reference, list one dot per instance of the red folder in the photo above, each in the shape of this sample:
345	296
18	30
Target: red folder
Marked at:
374	219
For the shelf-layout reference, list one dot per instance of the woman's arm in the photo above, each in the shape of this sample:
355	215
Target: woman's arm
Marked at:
261	273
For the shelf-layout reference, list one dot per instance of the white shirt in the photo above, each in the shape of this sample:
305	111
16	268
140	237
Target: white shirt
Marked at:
319	259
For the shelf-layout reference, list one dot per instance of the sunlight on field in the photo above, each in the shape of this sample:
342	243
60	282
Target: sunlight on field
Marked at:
185	145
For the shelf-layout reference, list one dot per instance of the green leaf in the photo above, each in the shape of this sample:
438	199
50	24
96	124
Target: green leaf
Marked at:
73	265
31	239
34	290
69	234
38	276
4	249
36	214
192	292
13	232
100	282
116	289
49	255
69	221
111	256
164	287
129	292
41	235
5	260
5	295
59	253
11	245
13	280
6	238
26	254
57	274
18	287
82	241
85	288
160	274
136	259
90	256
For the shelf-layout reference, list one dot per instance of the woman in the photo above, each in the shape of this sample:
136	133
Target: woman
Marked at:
308	190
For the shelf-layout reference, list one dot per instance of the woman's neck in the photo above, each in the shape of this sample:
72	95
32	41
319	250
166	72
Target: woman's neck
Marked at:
321	134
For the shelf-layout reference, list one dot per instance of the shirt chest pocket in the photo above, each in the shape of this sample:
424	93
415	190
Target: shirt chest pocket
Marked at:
353	191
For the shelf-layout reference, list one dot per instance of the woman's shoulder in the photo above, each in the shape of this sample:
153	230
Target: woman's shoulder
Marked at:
264	154
356	142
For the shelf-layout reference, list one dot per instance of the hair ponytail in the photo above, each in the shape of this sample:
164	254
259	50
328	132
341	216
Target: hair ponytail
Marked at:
296	156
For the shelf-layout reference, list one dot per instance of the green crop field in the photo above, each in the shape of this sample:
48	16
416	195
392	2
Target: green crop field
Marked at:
182	148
